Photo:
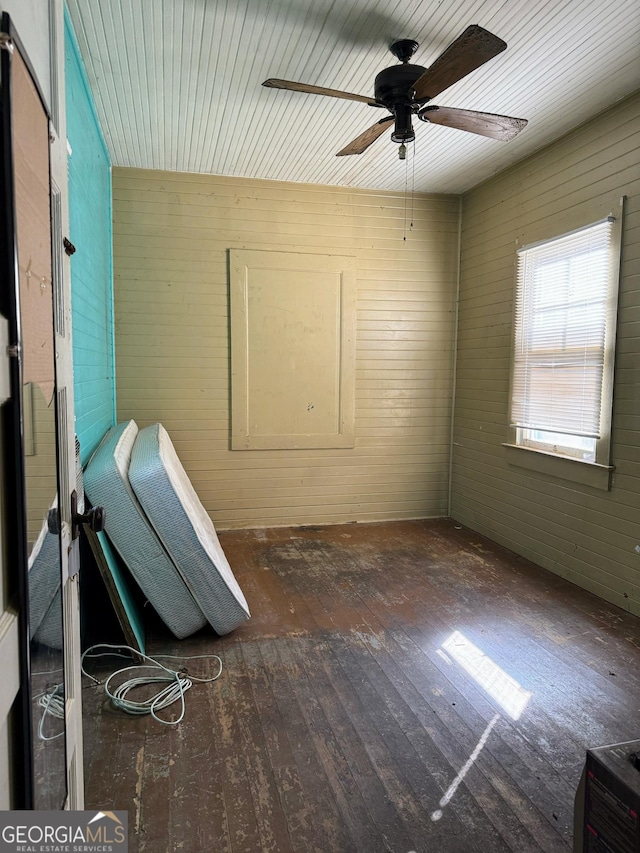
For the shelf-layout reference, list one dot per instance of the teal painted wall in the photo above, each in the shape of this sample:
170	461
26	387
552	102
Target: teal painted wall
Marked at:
91	266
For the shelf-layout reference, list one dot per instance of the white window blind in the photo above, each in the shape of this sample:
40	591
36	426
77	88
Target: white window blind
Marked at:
562	310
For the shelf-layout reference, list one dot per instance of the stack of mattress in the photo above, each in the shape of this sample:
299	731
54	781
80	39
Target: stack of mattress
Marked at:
156	522
185	528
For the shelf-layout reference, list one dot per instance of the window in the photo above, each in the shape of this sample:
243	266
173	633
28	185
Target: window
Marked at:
564	336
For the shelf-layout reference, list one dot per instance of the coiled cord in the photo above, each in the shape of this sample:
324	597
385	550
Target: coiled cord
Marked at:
52	704
177	681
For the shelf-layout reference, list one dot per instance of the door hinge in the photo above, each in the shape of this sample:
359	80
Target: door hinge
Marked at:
5	373
6	42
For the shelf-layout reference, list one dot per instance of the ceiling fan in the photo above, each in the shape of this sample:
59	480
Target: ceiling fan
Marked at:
405	90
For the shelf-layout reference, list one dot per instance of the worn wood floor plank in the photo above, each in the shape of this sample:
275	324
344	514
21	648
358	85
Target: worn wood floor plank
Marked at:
306	687
332	608
419	779
348	719
229	705
370	774
513	753
328	829
544	835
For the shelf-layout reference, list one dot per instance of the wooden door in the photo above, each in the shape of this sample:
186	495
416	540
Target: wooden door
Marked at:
44	718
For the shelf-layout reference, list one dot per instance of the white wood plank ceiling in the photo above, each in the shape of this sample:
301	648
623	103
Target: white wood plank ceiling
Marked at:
177	82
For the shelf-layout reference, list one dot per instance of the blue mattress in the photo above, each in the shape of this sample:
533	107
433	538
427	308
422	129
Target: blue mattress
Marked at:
44	576
106	483
185	528
50	631
45	602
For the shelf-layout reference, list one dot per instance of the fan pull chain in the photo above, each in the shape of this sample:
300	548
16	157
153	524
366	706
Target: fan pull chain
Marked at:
406	184
406	190
413	181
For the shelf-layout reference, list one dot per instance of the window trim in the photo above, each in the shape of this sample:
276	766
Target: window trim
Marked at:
594	473
579	471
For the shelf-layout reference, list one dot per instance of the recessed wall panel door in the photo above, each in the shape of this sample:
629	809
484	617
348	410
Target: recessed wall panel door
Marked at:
292	342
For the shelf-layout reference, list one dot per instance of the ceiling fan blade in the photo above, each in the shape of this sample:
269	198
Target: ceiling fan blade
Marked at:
469	51
362	142
317	90
499	127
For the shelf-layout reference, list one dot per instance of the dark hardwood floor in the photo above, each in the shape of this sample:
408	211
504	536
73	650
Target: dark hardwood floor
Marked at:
406	686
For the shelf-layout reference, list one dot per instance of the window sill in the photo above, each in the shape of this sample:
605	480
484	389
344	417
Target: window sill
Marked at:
576	470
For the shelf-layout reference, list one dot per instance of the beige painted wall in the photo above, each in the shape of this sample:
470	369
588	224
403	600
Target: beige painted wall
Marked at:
171	236
584	534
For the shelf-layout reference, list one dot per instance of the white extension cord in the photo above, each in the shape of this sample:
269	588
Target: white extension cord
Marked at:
177	681
52	704
51	700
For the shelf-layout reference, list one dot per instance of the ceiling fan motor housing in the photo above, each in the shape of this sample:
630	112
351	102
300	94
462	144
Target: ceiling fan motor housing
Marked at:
395	85
394	88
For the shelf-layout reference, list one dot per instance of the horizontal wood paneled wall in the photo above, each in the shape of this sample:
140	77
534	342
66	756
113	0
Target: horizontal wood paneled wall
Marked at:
91	273
171	236
584	534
